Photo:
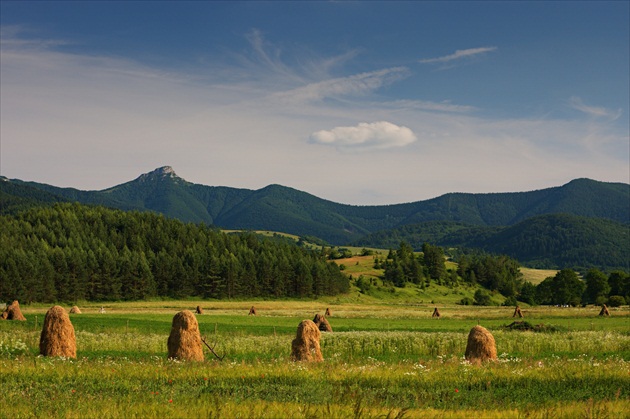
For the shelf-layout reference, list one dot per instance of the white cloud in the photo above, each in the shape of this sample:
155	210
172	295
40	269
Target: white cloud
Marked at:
459	54
594	111
376	135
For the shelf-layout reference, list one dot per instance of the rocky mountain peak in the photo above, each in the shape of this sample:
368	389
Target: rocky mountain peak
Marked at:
159	173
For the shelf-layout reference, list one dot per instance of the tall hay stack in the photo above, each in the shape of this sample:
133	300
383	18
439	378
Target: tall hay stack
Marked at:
199	310
305	346
436	313
604	311
517	312
57	337
322	324
252	311
184	342
75	310
481	346
328	313
13	312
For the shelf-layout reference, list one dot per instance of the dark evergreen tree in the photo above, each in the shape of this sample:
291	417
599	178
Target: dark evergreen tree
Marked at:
597	287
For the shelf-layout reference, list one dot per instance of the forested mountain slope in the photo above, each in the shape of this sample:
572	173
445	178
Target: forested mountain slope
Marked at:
545	241
285	209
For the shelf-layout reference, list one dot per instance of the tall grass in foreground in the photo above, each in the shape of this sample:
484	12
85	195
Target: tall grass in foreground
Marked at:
119	387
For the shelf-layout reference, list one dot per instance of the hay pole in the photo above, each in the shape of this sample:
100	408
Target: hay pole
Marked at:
220	358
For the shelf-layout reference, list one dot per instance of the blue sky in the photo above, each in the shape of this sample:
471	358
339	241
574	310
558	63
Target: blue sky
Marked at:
356	102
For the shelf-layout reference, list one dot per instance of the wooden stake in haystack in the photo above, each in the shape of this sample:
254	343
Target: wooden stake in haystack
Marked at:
481	346
517	312
604	311
328	313
322	323
184	342
436	313
305	346
57	337
199	310
252	311
75	310
13	312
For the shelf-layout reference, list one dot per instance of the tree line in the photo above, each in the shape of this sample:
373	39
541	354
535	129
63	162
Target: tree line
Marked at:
501	274
70	252
566	288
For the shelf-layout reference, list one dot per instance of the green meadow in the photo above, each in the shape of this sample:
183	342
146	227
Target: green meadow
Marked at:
382	360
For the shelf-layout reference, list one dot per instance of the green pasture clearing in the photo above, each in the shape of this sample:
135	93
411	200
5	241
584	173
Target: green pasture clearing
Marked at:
536	276
382	360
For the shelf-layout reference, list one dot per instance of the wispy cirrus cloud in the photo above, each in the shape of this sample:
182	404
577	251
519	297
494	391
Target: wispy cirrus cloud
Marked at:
425	105
12	36
357	84
458	54
594	111
366	136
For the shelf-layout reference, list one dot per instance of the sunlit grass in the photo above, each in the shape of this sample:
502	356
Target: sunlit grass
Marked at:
382	360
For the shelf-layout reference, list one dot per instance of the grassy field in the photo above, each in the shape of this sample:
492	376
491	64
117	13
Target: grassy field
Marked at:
384	359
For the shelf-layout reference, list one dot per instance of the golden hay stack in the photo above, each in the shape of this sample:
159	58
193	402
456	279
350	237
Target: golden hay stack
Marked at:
328	313
305	346
57	337
75	310
436	313
517	312
252	311
184	342
604	311
13	312
322	323
481	346
199	310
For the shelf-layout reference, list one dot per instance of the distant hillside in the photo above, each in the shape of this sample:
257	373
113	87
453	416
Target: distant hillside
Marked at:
285	209
562	240
15	197
551	241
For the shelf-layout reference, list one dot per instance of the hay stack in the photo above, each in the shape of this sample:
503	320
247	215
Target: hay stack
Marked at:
252	311
305	346
75	310
481	346
328	313
517	312
184	342
322	324
57	337
13	312
199	310
436	313
604	311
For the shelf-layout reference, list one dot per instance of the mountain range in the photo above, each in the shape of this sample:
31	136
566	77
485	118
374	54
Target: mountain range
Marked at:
488	221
